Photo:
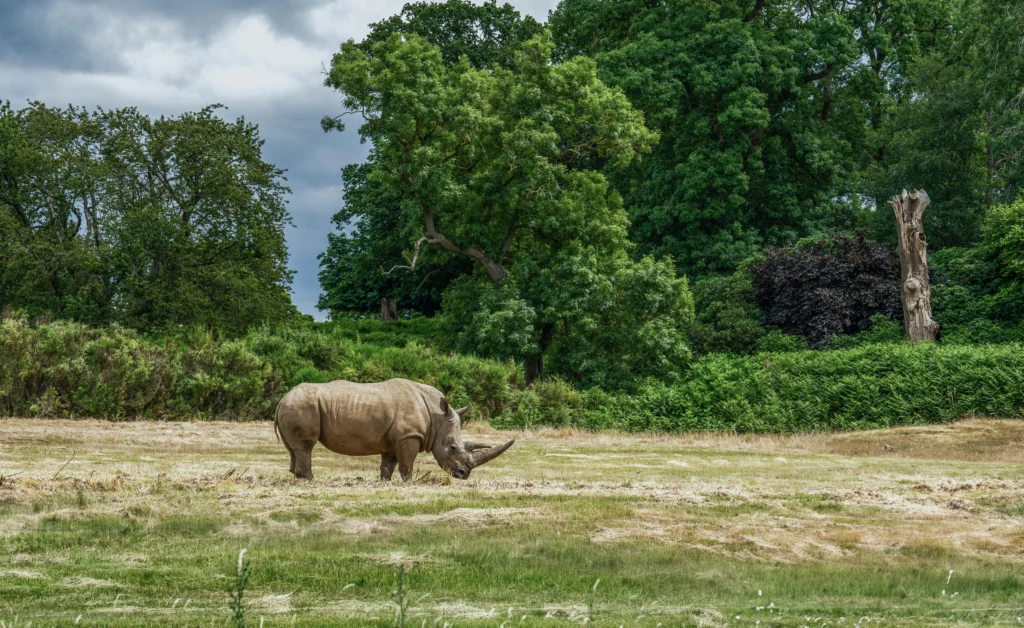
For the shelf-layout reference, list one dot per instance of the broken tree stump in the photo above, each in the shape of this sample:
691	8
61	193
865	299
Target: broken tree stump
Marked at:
915	293
388	310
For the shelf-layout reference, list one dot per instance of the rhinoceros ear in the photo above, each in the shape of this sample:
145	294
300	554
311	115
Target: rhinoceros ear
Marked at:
462	411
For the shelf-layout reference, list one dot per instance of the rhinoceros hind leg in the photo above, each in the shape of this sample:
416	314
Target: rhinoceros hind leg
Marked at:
303	468
388	462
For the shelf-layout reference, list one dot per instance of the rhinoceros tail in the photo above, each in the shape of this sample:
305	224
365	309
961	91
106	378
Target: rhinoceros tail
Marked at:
277	414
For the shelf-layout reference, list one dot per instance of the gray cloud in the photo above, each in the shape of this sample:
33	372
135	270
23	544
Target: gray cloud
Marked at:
261	58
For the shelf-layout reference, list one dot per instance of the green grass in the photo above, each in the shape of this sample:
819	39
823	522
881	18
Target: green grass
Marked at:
522	566
778	531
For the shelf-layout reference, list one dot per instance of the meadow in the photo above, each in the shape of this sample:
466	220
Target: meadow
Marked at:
141	524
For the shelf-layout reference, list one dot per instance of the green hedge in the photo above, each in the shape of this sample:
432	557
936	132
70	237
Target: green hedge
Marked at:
867	387
70	369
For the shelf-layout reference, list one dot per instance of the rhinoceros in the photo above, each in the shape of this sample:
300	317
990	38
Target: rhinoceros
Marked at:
395	420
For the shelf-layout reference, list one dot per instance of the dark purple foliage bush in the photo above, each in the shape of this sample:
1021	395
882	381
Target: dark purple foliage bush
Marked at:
828	287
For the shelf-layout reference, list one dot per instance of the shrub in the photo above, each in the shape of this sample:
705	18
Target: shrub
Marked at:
70	369
978	293
868	387
884	329
550	403
727	318
777	342
425	331
634	327
827	286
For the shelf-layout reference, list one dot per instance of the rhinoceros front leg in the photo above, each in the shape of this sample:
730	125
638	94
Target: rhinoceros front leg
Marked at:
388	462
406	452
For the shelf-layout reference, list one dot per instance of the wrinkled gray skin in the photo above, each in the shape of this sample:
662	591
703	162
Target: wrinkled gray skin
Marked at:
396	420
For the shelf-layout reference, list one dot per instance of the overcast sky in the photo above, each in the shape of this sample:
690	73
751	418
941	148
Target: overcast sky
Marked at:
263	59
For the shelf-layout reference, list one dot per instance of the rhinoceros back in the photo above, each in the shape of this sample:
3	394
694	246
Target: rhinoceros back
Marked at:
363	419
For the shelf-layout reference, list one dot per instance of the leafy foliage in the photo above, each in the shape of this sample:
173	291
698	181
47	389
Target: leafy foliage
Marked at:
727	317
765	108
632	327
826	287
498	167
979	291
370	235
111	216
960	134
485	35
870	387
70	369
368	241
552	403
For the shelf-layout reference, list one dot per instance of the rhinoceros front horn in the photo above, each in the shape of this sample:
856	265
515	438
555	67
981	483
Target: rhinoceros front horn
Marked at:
483	457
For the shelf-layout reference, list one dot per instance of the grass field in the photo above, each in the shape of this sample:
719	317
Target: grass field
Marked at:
908	527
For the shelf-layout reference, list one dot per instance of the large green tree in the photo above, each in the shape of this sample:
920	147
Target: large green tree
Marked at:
52	196
767	111
110	216
959	134
499	166
198	217
368	232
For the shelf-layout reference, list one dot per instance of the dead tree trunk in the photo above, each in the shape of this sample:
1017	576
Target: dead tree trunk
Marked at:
915	293
388	310
534	365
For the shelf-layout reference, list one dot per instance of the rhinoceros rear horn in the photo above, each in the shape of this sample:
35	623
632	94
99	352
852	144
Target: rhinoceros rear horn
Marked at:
483	457
462	411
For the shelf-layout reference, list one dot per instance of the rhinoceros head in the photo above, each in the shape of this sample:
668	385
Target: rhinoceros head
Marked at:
457	456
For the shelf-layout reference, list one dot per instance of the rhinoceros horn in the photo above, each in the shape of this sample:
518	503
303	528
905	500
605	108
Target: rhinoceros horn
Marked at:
473	445
462	411
483	457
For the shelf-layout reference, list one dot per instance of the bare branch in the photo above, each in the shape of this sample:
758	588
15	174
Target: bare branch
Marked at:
412	263
73	453
815	76
425	278
754	12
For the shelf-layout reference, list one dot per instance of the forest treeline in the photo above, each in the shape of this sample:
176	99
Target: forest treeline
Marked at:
611	205
114	217
544	186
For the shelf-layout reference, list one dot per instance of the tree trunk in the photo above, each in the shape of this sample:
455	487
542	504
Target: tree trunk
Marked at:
534	366
915	293
388	310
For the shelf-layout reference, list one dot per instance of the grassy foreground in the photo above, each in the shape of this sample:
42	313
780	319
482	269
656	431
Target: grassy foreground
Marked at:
907	527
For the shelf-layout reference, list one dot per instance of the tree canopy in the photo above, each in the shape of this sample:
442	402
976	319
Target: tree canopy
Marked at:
369	234
500	166
767	111
110	216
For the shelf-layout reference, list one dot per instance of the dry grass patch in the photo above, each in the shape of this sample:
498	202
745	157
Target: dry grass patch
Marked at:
682	529
972	440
